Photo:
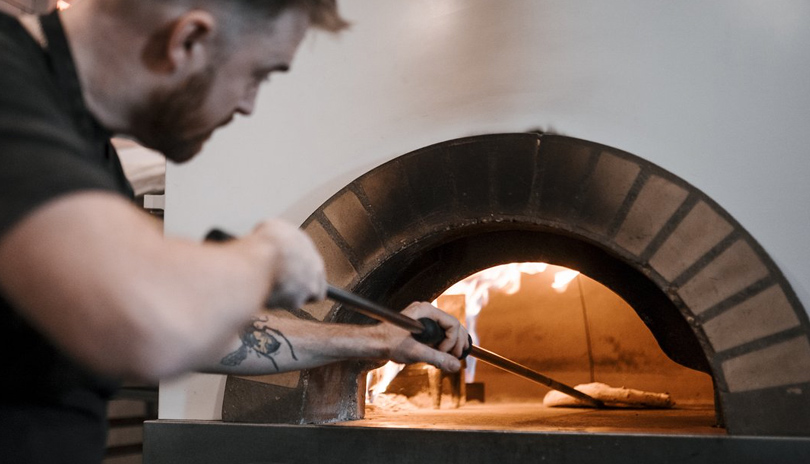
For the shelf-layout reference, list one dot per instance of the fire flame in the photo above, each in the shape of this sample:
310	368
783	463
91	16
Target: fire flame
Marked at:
379	379
562	279
476	290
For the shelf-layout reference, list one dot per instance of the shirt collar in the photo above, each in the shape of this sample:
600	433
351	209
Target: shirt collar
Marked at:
67	78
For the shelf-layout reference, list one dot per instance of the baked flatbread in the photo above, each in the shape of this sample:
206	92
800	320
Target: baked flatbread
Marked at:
613	397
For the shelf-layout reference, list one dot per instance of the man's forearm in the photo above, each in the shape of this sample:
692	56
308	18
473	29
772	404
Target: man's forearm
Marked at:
118	297
275	342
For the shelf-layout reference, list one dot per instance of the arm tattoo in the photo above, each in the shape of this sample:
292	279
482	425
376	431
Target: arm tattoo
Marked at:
262	340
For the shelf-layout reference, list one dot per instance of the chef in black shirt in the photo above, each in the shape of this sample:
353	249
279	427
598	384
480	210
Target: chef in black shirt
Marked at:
91	291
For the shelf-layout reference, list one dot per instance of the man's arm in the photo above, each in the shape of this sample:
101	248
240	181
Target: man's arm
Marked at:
276	341
96	276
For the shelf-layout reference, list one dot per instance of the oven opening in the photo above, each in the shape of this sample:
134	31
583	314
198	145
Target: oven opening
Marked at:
558	322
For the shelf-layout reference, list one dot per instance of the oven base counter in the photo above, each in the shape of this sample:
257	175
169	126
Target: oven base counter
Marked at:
386	441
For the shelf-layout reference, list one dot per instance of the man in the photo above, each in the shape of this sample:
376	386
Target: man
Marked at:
90	290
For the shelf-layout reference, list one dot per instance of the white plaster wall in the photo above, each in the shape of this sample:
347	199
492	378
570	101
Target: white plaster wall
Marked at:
716	92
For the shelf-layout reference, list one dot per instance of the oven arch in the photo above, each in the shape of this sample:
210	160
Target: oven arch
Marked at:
709	293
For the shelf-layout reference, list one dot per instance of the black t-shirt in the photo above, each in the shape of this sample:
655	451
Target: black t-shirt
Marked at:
51	409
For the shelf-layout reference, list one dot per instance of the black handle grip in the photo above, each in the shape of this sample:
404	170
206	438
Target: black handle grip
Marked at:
433	335
217	235
469	348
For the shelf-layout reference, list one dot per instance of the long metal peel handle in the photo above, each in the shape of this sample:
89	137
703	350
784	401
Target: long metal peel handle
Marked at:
424	330
371	309
510	366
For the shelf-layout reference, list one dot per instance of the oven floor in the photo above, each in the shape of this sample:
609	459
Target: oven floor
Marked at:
534	417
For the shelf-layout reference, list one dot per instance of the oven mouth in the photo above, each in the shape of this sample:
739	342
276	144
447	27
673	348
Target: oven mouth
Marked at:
425	274
707	291
558	322
439	262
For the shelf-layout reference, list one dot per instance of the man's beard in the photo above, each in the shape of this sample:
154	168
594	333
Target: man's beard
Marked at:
171	121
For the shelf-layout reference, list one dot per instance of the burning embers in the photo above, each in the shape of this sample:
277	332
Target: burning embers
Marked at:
416	386
553	320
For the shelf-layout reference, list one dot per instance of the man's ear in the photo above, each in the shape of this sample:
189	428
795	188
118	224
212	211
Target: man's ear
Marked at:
191	41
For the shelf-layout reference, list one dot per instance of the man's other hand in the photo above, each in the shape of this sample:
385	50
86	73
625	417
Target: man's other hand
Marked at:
298	274
445	355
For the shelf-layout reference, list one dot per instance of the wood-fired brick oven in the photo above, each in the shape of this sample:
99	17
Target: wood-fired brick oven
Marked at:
410	228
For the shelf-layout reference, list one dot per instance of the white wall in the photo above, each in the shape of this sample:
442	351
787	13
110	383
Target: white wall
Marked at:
716	92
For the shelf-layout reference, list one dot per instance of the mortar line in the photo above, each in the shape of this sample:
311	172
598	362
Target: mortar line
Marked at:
669	227
376	224
627	203
338	239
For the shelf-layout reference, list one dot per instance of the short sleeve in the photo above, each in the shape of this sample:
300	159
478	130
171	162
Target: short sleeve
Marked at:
42	154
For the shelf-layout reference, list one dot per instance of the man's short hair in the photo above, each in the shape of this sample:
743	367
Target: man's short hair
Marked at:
323	14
